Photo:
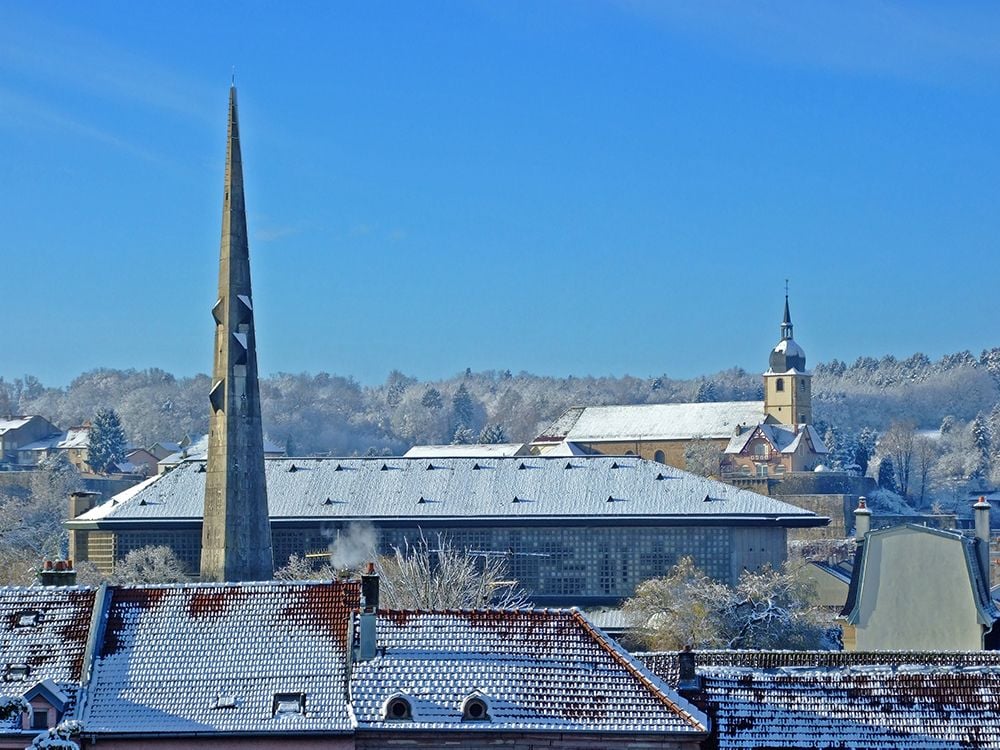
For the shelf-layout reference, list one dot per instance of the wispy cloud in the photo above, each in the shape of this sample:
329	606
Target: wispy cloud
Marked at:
938	43
18	109
43	50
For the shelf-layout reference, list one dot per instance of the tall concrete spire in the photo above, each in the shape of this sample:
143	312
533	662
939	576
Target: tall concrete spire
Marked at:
236	535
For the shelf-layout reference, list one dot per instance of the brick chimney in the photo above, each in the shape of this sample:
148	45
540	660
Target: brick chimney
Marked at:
57	573
862	519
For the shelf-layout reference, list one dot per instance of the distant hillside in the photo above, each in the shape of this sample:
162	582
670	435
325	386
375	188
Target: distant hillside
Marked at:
325	413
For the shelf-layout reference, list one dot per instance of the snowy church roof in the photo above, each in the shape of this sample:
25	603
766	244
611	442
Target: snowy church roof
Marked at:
464	490
712	419
548	670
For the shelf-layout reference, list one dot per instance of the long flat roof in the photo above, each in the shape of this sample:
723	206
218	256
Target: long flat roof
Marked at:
519	489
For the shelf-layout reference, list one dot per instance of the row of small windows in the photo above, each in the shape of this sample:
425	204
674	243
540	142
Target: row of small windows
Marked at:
779	384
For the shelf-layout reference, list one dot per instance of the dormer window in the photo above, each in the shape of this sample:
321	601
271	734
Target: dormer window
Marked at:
39	718
475	708
397	707
288	704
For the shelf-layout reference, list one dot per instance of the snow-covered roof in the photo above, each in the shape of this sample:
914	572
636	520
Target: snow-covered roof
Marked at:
43	636
535	671
477	450
530	487
812	699
783	438
74	437
717	419
207	658
198	449
789	348
13	423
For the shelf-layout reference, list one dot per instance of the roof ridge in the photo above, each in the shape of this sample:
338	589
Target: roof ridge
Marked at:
630	666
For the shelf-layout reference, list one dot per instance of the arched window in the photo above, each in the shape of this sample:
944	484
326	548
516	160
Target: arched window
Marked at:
779	384
659	457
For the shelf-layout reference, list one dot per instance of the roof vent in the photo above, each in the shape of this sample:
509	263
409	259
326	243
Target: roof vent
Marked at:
522	465
397	708
475	708
385	467
288	704
660	476
476	467
225	701
421	500
338	467
293	467
613	499
614	465
143	502
519	500
569	466
430	467
201	468
328	501
708	498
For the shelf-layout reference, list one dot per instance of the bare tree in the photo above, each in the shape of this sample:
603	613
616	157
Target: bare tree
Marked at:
925	455
439	576
899	443
149	565
767	609
702	457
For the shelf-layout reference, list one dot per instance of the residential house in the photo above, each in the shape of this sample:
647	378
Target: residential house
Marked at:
74	444
17	432
920	588
138	461
44	635
525	679
905	700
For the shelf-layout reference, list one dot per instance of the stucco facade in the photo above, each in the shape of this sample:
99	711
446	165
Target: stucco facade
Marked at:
918	589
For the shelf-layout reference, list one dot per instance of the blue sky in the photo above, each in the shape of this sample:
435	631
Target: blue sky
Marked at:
564	188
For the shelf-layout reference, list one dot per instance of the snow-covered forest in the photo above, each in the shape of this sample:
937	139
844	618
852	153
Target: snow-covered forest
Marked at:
331	414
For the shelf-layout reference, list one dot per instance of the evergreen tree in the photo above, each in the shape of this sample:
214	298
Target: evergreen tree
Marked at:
492	434
887	475
106	441
462	408
706	392
864	448
432	399
463	436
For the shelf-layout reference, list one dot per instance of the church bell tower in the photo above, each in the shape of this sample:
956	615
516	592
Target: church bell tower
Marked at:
787	383
236	532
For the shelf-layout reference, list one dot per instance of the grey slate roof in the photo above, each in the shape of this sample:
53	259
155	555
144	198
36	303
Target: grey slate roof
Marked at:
528	488
190	658
536	671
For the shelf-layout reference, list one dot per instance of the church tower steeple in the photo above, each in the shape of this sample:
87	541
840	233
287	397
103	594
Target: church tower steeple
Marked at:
236	533
787	383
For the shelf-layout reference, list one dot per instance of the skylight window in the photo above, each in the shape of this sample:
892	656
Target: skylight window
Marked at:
30	618
15	672
288	704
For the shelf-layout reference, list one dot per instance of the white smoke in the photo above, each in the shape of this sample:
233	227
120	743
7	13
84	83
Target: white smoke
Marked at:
354	545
